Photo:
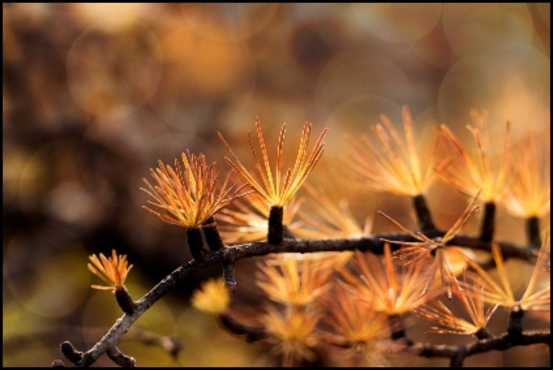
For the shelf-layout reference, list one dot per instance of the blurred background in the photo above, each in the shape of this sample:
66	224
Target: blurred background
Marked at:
95	94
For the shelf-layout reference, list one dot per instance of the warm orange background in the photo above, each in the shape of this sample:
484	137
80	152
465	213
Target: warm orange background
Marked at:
95	94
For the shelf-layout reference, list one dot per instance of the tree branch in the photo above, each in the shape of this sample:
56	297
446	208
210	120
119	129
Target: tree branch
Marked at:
533	231
120	358
503	342
171	345
424	219
487	226
252	333
244	251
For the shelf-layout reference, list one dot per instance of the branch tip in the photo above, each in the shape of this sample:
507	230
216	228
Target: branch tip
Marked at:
58	363
233	326
121	359
483	334
71	353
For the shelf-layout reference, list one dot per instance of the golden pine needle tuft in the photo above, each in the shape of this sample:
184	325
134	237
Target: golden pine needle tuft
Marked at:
437	249
295	279
474	306
292	333
190	197
393	165
327	220
528	195
112	270
354	321
212	297
386	290
468	175
279	190
503	295
246	220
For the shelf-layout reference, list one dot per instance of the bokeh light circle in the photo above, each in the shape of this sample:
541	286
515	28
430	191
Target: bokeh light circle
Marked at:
50	184
107	71
397	22
115	148
475	28
224	350
56	287
25	352
354	74
509	89
236	21
355	117
199	64
110	17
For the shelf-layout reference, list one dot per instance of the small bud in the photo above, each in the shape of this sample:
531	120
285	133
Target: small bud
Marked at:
275	225
125	300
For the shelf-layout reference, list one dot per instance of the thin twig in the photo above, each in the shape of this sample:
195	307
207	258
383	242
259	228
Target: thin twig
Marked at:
120	359
171	345
533	231
487	226
232	325
229	271
515	319
275	225
501	342
424	219
213	239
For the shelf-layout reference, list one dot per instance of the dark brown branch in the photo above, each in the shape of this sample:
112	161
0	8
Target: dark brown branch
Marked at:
72	354
424	219
483	334
213	239
502	342
125	300
397	328
509	250
275	225
196	244
171	345
249	250
515	319
252	333
120	359
487	228
229	271
457	361
533	232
